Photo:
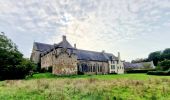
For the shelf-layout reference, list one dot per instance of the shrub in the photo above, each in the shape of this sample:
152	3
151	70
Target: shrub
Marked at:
140	71
158	72
17	71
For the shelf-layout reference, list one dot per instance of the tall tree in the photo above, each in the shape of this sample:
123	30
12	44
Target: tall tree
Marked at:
166	54
155	57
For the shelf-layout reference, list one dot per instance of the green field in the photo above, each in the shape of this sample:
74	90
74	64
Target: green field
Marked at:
87	87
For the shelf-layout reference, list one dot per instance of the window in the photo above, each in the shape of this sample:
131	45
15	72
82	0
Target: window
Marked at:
112	66
100	68
94	68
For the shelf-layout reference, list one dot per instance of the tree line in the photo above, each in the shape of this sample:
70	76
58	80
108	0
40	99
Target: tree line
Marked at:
161	59
159	56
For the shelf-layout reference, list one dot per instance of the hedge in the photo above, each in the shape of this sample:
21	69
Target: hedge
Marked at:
158	73
140	71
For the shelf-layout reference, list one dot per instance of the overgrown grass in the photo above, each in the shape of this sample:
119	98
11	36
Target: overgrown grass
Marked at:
87	87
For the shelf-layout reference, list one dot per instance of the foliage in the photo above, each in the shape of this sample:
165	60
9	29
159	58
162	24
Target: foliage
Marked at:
159	56
84	87
38	67
166	54
163	68
139	71
13	65
164	65
158	73
155	57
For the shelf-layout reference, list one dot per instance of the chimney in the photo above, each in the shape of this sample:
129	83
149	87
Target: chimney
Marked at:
75	46
119	56
64	38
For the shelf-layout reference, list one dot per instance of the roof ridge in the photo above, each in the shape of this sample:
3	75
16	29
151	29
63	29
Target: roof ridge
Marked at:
94	51
43	43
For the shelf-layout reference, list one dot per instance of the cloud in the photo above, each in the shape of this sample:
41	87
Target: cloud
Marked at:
92	24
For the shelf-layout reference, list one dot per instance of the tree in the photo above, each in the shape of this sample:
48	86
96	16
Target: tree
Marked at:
164	65
13	65
166	54
155	57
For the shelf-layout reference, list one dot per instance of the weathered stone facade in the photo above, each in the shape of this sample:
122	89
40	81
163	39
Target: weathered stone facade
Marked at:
67	60
65	63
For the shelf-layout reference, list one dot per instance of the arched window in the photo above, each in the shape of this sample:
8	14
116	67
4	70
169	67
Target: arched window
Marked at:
100	68
94	68
91	68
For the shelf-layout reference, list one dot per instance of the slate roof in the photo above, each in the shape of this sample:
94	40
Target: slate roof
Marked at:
63	44
138	65
42	46
93	56
81	54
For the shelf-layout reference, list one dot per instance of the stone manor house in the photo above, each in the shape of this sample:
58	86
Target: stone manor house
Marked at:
68	60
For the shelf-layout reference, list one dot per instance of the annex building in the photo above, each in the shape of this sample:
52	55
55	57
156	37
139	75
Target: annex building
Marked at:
68	60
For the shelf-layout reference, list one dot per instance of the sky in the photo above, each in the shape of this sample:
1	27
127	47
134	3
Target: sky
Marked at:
132	27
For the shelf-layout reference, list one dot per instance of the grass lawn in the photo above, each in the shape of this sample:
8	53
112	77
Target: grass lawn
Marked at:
46	86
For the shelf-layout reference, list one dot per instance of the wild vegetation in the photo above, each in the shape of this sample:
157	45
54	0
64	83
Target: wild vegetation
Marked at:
87	87
12	63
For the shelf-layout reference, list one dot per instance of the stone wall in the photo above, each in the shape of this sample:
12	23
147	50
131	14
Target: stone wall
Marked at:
35	55
65	64
47	60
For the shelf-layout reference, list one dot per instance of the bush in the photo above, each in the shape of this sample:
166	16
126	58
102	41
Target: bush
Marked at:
158	72
140	71
43	70
17	71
